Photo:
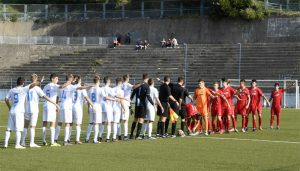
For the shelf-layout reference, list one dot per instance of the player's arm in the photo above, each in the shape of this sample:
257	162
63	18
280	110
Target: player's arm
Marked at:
159	104
90	103
159	80
224	98
49	100
65	84
132	94
7	103
248	101
266	99
136	86
148	96
110	98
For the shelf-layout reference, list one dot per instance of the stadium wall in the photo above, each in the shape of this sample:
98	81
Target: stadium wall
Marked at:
187	30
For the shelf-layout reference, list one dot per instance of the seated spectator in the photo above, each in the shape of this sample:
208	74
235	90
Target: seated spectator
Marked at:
139	45
163	43
127	39
169	43
145	45
174	43
115	43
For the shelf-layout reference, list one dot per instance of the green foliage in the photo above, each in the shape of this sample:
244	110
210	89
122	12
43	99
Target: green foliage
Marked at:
246	9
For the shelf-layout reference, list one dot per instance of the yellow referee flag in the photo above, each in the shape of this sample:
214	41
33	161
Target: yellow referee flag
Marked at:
173	115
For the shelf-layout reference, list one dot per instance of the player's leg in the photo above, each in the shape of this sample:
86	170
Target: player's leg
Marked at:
77	120
10	126
134	122
144	128
220	123
272	117
24	133
259	111
90	126
206	124
214	124
33	121
19	126
70	132
139	127
278	117
44	127
57	131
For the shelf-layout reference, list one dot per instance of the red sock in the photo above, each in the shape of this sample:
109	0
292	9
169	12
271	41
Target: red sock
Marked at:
260	121
214	122
228	124
272	120
278	119
254	122
209	124
243	121
246	122
220	125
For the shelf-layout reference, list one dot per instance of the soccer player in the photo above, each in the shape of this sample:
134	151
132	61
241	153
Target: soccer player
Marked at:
164	96
216	108
201	95
227	111
32	110
78	98
243	102
151	110
276	96
127	88
182	111
17	96
141	94
255	104
107	109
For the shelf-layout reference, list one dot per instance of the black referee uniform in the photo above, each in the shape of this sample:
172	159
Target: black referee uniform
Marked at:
182	111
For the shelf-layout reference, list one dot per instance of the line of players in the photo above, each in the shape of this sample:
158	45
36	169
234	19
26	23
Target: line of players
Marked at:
110	107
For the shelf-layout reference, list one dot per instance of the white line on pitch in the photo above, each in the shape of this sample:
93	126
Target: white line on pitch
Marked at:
244	139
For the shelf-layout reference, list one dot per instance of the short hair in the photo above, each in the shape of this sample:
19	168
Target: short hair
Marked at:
34	76
225	80
166	78
53	76
125	77
200	80
276	84
20	81
78	77
106	79
145	76
254	80
96	79
180	79
216	82
242	80
150	81
69	76
118	80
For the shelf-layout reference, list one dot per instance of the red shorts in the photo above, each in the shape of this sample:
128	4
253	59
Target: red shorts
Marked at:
276	110
240	108
226	111
254	109
216	111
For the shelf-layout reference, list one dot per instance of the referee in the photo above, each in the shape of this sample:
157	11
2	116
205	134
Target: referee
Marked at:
141	93
182	111
164	97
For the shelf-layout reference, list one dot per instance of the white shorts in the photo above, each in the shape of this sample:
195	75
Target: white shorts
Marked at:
96	117
32	117
15	122
107	117
150	115
117	116
125	114
77	115
49	115
65	116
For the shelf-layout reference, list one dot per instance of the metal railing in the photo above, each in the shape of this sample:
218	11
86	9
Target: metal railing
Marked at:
275	6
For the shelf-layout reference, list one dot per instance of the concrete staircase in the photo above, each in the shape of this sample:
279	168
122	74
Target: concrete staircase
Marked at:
207	61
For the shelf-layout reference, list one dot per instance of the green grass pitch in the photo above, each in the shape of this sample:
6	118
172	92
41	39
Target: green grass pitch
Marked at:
263	150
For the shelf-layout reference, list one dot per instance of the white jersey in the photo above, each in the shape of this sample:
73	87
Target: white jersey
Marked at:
117	91
107	104
127	88
51	90
32	99
78	98
96	95
153	95
66	97
17	95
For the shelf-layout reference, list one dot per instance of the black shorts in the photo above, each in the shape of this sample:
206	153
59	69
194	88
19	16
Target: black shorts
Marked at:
175	107
166	110
140	112
182	112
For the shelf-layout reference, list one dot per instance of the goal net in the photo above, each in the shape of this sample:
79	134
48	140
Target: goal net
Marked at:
290	97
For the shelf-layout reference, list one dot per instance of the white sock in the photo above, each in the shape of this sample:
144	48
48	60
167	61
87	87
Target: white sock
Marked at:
96	131
150	129
24	134
70	133
44	130
18	138
144	127
126	129
67	132
78	131
89	130
115	126
119	129
101	130
7	135
108	131
57	130
52	134
32	135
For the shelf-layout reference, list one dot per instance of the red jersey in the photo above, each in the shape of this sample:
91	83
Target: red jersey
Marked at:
229	94
242	94
255	96
276	96
216	102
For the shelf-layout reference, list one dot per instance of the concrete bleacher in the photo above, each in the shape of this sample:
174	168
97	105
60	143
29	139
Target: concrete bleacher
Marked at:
207	61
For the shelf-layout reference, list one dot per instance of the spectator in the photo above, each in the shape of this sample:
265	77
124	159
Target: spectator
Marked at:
115	42
119	37
163	43
127	39
168	43
174	43
145	45
139	45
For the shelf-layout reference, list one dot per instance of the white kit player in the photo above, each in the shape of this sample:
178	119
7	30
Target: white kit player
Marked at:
151	110
127	88
118	107
107	109
32	110
17	97
96	95
78	98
